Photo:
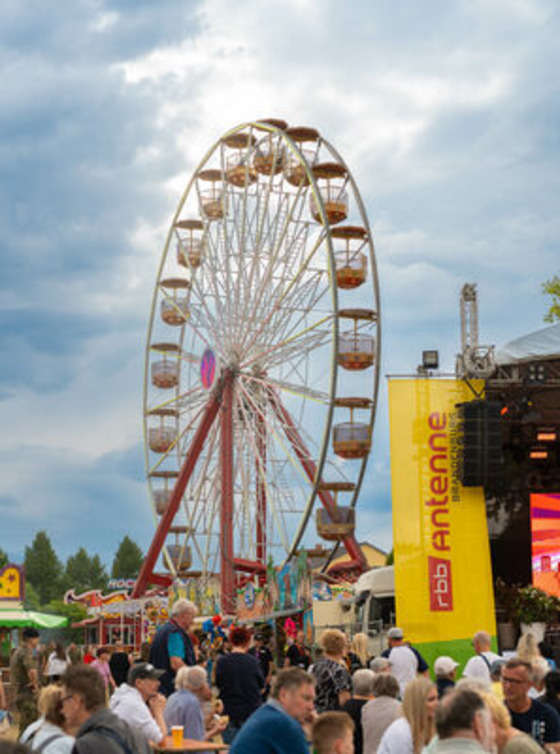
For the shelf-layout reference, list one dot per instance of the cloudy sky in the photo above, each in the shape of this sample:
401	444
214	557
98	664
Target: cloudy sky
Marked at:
447	112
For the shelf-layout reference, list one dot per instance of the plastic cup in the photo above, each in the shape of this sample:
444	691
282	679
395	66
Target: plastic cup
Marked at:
177	735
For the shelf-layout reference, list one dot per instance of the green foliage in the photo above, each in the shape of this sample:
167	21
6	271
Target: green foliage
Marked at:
84	572
74	613
390	558
532	605
552	288
128	560
3	558
43	570
31	601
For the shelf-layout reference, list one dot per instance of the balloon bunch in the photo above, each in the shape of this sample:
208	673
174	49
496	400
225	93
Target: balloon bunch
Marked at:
290	628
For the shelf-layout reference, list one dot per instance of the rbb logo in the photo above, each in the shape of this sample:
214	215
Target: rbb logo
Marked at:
441	587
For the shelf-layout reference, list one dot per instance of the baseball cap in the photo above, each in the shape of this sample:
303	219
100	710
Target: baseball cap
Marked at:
445	665
143	670
395	633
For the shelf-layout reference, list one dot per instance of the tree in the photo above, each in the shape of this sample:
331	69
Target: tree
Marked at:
31	601
83	572
99	576
43	570
3	558
552	288
128	560
74	613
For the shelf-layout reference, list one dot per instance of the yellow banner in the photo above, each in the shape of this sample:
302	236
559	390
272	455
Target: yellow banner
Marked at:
443	575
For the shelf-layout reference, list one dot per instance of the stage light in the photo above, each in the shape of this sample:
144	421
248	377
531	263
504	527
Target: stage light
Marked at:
546	434
430	359
536	373
538	453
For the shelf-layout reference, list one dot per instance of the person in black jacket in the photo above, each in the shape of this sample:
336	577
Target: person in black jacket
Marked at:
119	664
240	681
99	730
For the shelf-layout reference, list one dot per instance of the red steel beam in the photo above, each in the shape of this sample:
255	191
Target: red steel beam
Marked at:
252	566
146	575
227	568
353	549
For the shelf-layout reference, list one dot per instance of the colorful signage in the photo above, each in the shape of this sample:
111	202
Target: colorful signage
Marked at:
12	583
443	575
545	537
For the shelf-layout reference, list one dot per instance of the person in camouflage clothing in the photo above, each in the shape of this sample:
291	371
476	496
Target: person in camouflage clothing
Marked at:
24	676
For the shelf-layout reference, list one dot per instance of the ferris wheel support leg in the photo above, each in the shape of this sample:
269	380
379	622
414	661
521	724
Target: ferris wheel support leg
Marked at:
357	559
146	575
261	493
227	572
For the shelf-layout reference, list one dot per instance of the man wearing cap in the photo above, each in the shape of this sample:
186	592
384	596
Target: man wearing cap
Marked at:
406	662
444	669
262	653
139	704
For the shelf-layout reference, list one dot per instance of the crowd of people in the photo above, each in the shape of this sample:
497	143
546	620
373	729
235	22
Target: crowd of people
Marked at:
334	700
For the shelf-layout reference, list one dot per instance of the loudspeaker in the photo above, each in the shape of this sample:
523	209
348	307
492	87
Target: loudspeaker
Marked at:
481	459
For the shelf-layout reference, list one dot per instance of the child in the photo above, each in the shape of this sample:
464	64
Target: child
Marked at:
333	733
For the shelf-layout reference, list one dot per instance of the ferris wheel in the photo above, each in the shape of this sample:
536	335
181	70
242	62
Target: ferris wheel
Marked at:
262	359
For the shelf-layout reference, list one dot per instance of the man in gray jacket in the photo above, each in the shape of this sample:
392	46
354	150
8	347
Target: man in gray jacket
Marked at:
99	730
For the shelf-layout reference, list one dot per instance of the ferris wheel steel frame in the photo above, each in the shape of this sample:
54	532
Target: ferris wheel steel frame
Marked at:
220	401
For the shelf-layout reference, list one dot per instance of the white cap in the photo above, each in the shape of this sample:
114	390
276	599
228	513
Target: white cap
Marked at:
445	665
395	633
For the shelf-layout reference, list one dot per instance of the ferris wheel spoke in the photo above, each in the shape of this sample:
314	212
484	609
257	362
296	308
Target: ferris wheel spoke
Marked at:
272	432
300	390
295	278
309	336
290	210
270	497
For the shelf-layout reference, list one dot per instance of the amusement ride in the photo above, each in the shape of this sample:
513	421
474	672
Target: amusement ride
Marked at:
262	361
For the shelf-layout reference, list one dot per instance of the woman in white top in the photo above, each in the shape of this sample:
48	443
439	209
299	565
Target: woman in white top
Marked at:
412	732
56	664
47	735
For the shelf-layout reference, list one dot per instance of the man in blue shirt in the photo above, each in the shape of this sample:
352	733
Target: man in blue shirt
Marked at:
529	715
172	647
276	727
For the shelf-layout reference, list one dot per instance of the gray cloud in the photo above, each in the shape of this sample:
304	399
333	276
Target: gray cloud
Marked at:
446	113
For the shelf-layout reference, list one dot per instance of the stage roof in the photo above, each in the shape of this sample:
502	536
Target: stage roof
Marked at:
537	346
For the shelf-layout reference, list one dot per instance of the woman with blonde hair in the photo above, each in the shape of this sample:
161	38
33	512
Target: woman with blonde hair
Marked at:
527	648
358	656
412	732
48	734
334	683
509	740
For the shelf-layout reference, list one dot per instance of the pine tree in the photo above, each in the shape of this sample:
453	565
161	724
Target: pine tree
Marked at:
84	572
128	560
43	569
